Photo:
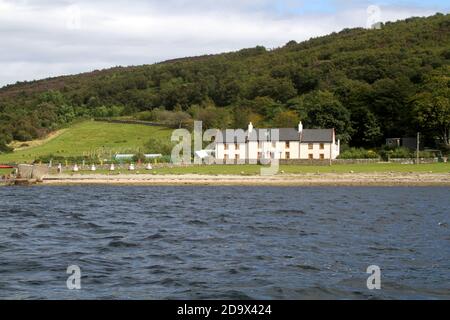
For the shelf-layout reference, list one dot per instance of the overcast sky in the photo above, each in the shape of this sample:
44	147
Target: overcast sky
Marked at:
42	38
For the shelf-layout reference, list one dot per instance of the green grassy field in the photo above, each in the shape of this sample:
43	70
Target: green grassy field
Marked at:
290	169
90	137
5	171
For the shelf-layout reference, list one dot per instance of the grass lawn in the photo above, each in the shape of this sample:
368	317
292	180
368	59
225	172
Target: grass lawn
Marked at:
5	171
290	169
91	137
103	138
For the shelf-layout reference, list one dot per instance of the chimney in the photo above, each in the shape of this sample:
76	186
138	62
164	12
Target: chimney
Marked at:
300	127
250	127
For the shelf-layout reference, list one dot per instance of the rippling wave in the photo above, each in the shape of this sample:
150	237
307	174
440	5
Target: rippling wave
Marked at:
224	242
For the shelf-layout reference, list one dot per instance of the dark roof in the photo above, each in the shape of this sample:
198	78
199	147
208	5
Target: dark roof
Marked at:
285	134
317	135
229	136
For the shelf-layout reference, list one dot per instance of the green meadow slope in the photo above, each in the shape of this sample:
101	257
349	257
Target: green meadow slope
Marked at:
90	138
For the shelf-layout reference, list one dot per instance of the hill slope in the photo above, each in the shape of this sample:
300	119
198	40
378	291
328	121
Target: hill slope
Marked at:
368	84
91	139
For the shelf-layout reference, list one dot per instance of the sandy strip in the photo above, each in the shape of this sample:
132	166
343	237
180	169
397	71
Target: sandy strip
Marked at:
332	179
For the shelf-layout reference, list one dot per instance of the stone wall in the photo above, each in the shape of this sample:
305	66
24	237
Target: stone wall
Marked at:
413	160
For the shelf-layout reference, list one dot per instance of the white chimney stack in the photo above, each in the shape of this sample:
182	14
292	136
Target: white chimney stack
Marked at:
300	127
250	127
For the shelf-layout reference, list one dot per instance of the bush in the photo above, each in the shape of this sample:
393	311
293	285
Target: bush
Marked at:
4	148
139	157
427	154
22	135
163	147
145	116
358	153
61	159
401	153
174	119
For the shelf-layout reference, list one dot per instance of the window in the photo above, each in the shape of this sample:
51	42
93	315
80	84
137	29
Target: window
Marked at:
226	157
310	146
237	146
236	157
274	145
226	146
288	145
322	157
259	155
288	155
311	156
261	144
322	146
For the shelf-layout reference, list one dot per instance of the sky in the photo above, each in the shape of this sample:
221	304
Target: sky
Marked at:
44	38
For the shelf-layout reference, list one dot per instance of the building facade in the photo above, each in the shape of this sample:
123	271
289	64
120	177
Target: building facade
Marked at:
254	145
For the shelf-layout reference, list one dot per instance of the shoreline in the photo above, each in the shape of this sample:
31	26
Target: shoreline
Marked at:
325	179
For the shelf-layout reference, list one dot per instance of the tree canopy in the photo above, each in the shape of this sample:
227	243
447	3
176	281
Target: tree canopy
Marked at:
367	84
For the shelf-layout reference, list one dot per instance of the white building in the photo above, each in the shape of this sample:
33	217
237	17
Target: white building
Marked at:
253	145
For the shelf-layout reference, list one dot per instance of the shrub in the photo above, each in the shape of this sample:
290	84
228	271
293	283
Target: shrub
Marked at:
358	153
61	159
401	153
5	148
145	116
139	157
427	154
174	119
163	147
22	135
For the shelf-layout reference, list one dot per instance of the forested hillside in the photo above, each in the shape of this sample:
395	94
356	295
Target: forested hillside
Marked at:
368	84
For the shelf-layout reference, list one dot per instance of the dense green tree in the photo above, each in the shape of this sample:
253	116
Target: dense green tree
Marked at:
390	104
367	130
305	80
321	109
286	119
278	89
432	107
211	116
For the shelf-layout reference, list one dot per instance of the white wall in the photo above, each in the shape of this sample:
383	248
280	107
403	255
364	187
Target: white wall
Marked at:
316	151
297	150
232	151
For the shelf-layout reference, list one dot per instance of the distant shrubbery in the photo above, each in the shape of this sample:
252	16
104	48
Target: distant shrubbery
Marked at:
404	153
174	119
4	148
401	153
61	159
358	153
385	153
156	146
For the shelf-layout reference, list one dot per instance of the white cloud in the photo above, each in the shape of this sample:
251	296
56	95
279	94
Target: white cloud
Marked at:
44	38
